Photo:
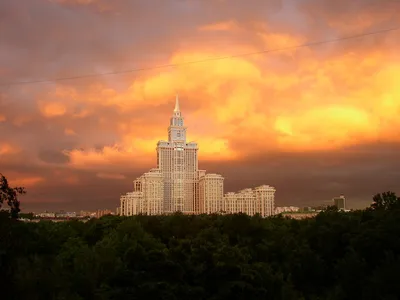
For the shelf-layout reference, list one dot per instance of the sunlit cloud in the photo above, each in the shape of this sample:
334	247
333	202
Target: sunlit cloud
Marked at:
220	26
111	156
6	149
308	100
27	182
69	132
53	109
253	102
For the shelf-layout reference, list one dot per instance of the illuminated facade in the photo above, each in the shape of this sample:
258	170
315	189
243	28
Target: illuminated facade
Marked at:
260	200
211	194
129	203
177	184
178	162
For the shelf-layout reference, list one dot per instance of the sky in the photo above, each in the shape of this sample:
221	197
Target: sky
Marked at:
315	122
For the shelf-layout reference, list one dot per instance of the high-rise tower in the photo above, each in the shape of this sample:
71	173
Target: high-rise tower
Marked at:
178	185
178	163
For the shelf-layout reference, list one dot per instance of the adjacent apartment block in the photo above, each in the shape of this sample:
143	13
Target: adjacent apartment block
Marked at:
177	184
259	200
211	194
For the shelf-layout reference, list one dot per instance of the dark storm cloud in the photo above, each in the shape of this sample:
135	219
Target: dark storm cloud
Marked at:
300	179
357	172
53	157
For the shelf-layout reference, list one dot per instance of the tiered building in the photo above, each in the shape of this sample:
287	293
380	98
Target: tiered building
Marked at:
177	184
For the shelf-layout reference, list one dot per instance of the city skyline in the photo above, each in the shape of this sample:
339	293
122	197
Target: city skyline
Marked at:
315	121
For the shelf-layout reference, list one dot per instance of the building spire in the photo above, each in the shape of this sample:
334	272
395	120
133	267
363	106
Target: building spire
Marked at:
177	110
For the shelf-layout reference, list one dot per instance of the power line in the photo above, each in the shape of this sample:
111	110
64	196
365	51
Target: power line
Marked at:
203	60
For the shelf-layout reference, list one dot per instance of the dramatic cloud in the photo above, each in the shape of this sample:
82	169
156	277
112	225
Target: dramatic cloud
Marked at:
314	121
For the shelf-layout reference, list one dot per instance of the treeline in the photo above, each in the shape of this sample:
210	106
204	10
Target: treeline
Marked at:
335	255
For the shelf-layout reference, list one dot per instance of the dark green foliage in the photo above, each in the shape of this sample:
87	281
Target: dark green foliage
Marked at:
335	255
385	201
9	195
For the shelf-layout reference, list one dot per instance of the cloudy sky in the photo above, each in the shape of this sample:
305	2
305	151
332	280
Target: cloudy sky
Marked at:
315	122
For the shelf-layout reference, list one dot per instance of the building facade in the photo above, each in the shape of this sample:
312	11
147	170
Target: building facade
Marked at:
177	184
340	202
178	162
259	200
211	194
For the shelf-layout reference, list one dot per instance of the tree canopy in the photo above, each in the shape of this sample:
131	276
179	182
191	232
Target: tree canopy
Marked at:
336	255
385	201
9	195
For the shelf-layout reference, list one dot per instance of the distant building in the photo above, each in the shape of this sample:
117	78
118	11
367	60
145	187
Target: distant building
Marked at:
339	202
85	214
279	210
63	214
46	214
103	212
147	196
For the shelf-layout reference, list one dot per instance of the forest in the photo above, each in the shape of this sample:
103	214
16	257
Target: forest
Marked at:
335	255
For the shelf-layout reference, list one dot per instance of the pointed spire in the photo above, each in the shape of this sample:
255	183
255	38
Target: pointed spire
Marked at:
177	104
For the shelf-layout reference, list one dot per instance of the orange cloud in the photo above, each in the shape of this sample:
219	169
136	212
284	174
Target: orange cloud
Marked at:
322	98
3	118
69	132
21	120
112	156
71	180
53	109
27	182
220	26
329	106
325	128
6	149
275	40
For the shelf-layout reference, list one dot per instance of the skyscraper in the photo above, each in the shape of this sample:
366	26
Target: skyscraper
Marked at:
178	162
177	184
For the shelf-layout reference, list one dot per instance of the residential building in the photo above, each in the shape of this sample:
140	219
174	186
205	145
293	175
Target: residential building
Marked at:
260	200
147	195
177	184
211	194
